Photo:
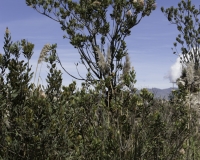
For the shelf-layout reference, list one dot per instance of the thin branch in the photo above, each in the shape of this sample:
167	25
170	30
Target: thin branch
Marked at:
66	70
78	71
46	15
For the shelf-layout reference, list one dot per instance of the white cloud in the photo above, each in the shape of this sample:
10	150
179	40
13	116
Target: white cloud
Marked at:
175	71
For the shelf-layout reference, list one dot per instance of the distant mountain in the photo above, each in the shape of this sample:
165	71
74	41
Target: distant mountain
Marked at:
161	93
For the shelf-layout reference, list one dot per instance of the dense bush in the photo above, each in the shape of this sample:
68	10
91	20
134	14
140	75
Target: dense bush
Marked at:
65	123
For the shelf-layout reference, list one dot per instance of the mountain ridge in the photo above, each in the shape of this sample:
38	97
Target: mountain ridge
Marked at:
161	93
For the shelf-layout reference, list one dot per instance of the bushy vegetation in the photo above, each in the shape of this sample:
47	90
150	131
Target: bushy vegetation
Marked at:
65	123
61	122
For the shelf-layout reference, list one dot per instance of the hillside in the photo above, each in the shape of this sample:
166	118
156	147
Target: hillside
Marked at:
161	93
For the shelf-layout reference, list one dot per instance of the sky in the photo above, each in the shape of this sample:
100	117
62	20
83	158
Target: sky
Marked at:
149	45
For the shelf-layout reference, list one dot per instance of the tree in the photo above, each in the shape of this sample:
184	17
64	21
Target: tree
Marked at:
89	25
185	17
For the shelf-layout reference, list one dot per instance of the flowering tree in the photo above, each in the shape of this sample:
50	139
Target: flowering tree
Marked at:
89	25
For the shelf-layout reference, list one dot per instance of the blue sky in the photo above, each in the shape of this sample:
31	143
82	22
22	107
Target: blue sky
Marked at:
149	45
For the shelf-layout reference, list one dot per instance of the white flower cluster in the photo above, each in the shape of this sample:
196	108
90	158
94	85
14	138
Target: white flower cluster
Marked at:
141	2
44	52
190	72
7	31
127	65
129	13
190	75
103	64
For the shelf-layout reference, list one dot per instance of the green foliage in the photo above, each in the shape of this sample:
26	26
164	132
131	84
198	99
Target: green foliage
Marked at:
65	123
61	122
185	17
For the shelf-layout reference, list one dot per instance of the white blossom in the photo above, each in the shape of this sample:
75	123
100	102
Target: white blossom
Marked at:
180	82
141	2
127	65
43	53
7	30
129	13
104	67
190	72
182	151
101	61
96	3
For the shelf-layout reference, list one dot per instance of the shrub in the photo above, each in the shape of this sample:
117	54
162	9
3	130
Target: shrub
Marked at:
76	124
